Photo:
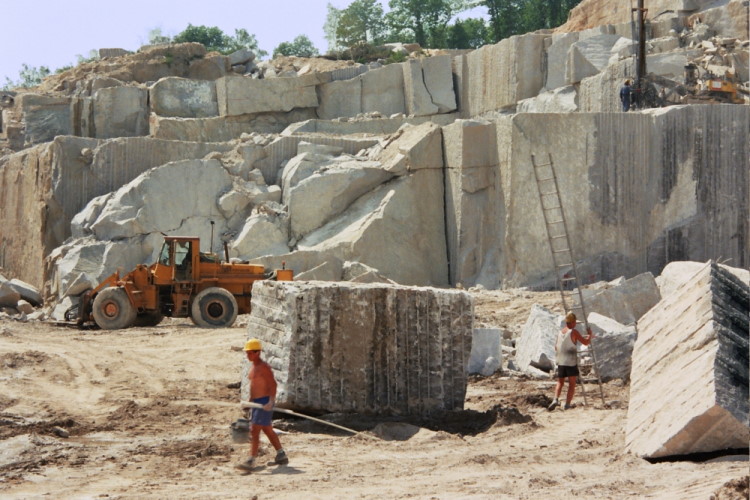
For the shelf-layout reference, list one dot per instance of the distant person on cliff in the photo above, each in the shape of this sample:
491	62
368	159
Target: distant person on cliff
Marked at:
262	391
566	357
626	95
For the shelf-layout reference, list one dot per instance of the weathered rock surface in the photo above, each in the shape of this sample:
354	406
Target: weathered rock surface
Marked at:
689	382
383	349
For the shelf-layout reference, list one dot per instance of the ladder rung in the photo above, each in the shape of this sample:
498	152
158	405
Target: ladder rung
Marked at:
558	237
568	279
555	222
564	250
548	193
558	207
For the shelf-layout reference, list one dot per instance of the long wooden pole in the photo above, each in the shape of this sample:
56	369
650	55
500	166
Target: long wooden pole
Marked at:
248	404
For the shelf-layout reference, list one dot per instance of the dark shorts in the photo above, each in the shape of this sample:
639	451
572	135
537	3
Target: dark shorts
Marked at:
259	416
567	371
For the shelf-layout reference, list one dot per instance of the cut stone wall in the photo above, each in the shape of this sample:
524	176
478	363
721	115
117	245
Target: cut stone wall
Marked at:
689	382
497	76
643	189
363	348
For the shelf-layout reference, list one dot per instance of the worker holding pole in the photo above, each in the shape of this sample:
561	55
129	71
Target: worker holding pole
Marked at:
262	392
566	356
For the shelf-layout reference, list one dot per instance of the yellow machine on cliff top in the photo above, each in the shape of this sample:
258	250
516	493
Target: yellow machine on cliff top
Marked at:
183	283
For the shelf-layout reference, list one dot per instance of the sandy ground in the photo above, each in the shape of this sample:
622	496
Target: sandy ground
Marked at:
148	413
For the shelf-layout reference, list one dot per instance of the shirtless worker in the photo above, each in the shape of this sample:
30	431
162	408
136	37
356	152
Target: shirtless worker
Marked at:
567	359
262	391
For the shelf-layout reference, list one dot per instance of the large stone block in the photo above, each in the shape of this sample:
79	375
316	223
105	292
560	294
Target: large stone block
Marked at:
613	346
383	90
239	95
473	199
559	100
486	354
689	382
627	302
342	98
44	117
428	86
497	76
557	57
183	98
323	195
384	349
535	348
120	112
589	56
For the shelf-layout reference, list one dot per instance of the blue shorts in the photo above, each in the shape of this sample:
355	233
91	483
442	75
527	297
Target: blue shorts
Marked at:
260	416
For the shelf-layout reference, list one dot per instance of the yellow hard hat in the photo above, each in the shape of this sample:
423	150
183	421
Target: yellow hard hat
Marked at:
252	345
570	317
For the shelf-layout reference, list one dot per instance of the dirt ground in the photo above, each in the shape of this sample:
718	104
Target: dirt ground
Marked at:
148	413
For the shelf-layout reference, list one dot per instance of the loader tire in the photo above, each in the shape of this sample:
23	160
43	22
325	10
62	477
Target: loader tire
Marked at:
214	308
112	309
148	319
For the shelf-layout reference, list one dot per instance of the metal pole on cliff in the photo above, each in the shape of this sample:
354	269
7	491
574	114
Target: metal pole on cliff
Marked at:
640	71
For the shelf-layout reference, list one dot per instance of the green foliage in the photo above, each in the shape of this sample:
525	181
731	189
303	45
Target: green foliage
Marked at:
244	40
363	53
301	46
30	77
93	56
396	57
425	20
155	37
216	40
513	17
331	26
210	37
361	21
469	33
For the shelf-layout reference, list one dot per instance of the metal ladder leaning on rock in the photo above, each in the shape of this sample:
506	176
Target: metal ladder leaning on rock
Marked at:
562	257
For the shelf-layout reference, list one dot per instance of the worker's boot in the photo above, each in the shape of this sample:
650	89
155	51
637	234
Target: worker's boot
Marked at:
281	458
555	403
248	465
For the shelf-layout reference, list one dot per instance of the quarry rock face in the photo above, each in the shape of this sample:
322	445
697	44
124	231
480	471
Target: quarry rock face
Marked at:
689	381
363	348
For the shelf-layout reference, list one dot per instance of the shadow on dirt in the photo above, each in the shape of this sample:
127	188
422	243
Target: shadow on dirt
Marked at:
459	422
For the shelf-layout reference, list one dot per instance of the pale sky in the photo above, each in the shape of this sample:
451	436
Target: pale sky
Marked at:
52	32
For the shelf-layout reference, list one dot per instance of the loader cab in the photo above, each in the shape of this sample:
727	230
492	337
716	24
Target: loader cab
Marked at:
177	260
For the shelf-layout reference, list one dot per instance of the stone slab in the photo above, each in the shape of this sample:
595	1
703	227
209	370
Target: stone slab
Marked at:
238	95
181	97
486	353
363	348
689	382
